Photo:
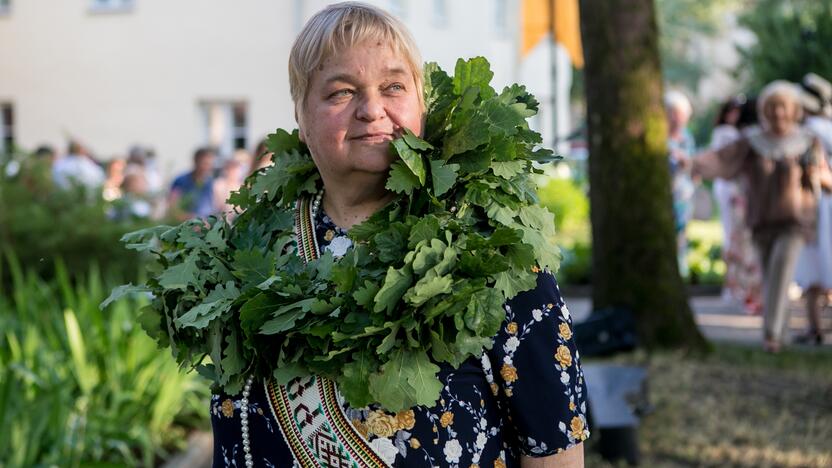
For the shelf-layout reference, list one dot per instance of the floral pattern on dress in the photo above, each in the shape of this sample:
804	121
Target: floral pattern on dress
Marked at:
532	402
538	329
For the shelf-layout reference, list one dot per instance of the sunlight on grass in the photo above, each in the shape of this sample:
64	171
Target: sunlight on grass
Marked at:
736	407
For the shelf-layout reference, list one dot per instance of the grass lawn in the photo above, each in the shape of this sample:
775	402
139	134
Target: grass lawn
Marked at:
737	407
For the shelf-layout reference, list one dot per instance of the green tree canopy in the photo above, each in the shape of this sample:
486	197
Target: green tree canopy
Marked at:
793	38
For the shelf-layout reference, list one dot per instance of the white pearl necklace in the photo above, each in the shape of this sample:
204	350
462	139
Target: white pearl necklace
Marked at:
244	422
316	206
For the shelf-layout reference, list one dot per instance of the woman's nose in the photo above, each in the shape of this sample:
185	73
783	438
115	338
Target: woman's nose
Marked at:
371	108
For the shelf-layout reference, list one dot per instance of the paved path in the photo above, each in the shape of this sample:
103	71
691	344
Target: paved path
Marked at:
721	321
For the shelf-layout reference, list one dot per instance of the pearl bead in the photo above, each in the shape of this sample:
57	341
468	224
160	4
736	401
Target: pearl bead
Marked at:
316	203
244	422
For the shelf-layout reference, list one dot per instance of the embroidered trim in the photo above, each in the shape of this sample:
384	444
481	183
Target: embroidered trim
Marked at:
308	410
300	451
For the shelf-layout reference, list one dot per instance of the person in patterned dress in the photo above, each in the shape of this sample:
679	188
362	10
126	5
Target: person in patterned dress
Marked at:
355	76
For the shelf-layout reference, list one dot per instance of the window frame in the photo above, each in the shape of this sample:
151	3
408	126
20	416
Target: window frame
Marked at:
398	8
111	6
235	131
7	140
440	14
501	22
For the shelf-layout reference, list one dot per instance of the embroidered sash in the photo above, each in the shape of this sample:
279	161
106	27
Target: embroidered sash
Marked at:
308	410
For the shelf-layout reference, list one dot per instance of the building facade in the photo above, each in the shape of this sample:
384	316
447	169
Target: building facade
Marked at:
176	75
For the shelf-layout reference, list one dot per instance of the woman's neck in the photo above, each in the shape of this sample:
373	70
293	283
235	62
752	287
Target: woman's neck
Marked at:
348	205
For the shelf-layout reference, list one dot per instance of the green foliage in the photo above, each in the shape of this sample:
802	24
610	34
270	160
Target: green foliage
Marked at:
792	39
81	387
570	204
424	283
42	224
705	252
576	267
682	23
567	201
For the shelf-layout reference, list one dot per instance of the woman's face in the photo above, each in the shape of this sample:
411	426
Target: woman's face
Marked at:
358	101
781	114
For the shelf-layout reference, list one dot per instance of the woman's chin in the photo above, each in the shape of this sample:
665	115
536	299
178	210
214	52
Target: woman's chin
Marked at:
374	161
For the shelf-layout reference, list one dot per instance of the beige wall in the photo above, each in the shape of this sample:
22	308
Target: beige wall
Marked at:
116	79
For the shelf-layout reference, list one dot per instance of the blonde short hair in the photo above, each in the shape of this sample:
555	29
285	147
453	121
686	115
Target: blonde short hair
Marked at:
784	89
338	27
677	100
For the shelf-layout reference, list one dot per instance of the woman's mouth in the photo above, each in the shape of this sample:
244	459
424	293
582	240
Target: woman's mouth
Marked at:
374	138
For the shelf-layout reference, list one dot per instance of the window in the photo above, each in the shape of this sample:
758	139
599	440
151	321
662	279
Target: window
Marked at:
109	6
398	8
5	7
501	17
6	128
298	16
440	13
225	126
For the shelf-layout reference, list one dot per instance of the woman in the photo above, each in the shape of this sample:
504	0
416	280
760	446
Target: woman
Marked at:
814	267
230	178
355	78
742	275
782	168
681	145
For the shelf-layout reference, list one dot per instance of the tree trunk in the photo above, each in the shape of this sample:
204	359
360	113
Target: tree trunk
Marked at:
634	261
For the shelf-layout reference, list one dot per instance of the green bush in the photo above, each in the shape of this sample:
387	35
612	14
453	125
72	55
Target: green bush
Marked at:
40	224
705	252
576	266
792	39
568	201
80	386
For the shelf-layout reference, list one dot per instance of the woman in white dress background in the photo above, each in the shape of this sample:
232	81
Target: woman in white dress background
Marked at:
814	268
743	275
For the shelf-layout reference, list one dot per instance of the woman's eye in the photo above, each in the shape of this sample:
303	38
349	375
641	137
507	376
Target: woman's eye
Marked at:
396	87
341	93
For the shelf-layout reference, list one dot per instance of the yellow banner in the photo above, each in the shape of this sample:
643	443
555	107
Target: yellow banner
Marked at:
562	16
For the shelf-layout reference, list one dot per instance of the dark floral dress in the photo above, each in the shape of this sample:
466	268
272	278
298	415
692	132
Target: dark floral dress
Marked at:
526	396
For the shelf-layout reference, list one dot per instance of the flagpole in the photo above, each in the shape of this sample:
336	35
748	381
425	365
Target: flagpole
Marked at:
553	52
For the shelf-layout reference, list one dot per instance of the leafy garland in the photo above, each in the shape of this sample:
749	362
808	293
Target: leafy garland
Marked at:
426	279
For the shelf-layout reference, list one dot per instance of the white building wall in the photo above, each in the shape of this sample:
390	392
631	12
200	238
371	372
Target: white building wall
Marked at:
138	76
115	79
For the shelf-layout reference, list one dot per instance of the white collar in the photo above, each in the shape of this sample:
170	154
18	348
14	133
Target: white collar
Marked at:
773	147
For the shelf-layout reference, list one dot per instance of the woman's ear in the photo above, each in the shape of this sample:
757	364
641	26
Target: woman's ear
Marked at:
301	136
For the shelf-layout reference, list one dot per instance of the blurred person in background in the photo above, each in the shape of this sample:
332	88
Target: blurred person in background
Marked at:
230	180
246	161
146	159
36	172
143	160
133	203
814	267
262	156
46	154
115	176
77	168
782	167
681	146
192	193
818	105
743	280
